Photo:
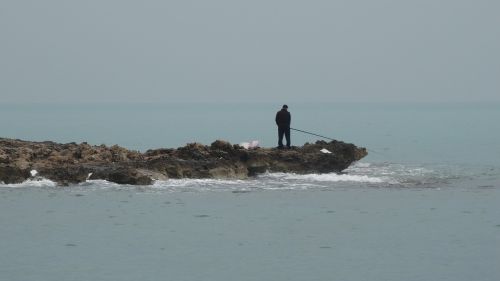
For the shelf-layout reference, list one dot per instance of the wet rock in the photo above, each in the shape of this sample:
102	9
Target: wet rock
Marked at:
13	174
73	163
123	175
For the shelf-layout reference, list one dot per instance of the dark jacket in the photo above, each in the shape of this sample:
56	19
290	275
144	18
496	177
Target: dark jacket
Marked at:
283	118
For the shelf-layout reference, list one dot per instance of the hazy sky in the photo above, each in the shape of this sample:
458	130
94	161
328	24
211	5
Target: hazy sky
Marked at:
283	51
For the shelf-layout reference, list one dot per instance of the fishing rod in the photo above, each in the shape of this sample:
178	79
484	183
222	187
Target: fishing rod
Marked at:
306	132
311	134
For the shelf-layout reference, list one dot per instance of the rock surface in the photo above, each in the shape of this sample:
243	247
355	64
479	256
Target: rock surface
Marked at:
73	163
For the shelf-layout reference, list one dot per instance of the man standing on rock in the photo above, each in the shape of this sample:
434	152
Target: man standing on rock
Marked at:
283	120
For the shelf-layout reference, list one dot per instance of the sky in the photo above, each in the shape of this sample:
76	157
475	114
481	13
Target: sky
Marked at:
247	51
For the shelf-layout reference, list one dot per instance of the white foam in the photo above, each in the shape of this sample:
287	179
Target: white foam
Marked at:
33	173
331	177
100	183
407	174
200	184
269	181
186	182
35	182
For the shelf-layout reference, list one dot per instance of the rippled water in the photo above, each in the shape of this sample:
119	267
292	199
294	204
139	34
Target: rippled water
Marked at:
293	228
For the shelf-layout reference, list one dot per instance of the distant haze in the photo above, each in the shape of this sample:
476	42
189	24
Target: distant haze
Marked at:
232	51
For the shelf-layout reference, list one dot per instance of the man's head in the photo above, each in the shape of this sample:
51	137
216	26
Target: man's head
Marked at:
285	106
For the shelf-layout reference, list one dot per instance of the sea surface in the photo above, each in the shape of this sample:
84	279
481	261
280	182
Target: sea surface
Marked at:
423	205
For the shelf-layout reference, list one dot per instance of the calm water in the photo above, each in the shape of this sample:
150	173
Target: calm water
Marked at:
422	206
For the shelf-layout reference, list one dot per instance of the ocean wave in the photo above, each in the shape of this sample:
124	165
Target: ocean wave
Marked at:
331	177
268	181
100	183
360	174
32	182
200	185
411	175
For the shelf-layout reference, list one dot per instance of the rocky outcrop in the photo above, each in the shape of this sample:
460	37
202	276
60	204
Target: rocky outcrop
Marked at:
73	163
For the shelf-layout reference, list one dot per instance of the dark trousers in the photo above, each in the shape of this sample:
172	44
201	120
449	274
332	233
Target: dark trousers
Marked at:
283	130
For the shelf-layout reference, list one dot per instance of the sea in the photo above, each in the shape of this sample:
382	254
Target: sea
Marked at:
423	205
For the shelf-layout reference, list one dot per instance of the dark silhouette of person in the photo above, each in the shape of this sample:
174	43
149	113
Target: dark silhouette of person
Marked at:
283	120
